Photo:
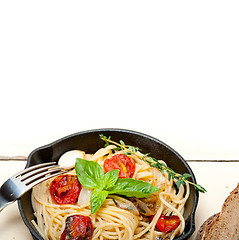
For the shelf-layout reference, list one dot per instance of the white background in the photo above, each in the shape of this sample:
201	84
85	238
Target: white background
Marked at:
165	68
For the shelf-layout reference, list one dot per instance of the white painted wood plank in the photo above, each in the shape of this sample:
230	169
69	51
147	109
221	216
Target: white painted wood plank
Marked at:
219	178
176	63
11	223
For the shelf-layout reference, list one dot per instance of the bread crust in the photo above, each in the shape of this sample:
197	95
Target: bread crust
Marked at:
223	225
205	226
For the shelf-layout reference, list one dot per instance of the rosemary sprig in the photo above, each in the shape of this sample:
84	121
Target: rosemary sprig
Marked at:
153	162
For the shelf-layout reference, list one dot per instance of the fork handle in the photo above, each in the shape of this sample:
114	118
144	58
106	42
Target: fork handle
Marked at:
3	201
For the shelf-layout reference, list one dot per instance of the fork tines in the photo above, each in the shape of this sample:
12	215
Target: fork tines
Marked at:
38	173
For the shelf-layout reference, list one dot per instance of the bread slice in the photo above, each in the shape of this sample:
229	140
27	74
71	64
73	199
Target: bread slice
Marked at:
223	225
206	225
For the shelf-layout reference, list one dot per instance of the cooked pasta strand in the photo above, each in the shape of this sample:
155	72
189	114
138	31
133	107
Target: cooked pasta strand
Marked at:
115	218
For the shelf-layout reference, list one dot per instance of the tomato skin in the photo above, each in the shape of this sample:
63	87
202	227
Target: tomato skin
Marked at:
125	164
65	189
78	227
167	223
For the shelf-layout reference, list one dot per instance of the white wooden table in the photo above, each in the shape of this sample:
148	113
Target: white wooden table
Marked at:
169	67
218	177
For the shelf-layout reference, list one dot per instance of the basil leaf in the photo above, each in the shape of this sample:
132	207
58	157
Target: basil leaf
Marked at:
89	173
133	188
110	178
97	198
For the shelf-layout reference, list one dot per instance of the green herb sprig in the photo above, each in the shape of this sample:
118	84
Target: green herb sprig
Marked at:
153	162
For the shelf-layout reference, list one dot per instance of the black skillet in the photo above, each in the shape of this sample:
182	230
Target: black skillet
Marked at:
89	141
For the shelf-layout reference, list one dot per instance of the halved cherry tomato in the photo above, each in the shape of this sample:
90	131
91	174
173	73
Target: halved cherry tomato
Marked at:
65	189
78	227
167	223
125	164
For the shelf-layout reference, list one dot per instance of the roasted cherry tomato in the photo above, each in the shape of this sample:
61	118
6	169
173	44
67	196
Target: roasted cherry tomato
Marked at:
125	164
78	227
167	223
65	189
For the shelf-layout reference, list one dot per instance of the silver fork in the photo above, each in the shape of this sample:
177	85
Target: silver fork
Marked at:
23	181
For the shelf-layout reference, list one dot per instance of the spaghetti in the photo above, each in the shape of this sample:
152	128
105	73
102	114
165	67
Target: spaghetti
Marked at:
118	217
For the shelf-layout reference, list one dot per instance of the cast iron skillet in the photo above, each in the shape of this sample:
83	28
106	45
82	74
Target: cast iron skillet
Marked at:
89	141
